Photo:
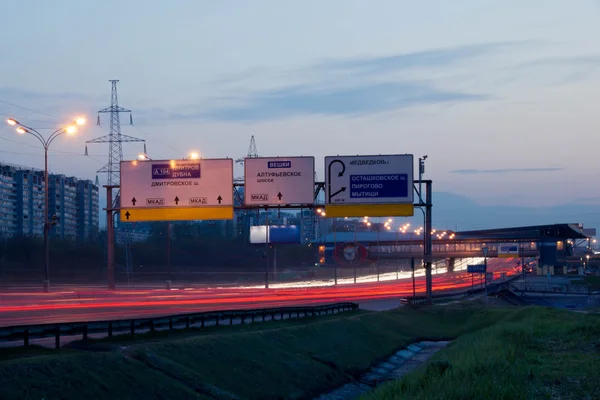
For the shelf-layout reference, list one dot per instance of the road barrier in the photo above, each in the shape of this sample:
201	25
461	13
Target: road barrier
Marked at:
179	321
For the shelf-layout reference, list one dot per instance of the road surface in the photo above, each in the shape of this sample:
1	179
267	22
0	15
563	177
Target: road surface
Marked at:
27	308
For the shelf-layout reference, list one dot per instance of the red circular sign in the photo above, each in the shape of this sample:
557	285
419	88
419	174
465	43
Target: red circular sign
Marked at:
350	253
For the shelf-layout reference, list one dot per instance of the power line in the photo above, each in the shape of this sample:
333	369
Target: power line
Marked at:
158	140
60	152
20	117
27	109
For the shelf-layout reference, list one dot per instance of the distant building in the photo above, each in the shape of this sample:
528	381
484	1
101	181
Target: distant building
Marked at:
8	221
73	204
87	210
29	200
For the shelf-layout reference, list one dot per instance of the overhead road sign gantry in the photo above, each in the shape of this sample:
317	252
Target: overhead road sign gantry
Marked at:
373	185
176	190
279	181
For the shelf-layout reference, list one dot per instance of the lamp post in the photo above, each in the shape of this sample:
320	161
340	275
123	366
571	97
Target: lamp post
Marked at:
485	250
46	142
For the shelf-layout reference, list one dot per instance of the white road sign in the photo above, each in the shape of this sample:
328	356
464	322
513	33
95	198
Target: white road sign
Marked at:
177	183
383	179
279	181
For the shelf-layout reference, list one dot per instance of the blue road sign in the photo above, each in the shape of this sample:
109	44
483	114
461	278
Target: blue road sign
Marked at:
476	269
380	185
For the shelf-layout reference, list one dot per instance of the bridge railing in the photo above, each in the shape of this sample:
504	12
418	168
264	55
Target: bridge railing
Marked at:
549	287
180	321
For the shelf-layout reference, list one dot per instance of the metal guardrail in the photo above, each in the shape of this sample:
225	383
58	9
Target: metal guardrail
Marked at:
179	321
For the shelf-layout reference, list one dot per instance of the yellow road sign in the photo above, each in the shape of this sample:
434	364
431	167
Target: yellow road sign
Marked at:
370	210
175	214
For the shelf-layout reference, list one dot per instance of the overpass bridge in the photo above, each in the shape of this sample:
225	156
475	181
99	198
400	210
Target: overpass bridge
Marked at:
551	245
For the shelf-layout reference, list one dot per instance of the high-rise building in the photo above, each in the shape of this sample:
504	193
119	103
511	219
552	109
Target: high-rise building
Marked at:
29	196
73	204
8	222
62	208
87	211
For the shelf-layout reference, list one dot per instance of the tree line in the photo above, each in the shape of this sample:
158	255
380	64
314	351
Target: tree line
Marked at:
187	245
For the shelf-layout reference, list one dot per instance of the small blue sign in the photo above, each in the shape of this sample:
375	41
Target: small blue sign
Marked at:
476	269
380	185
182	171
284	234
279	164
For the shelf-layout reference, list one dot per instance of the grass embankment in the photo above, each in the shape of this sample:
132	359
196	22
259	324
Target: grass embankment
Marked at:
592	281
532	353
292	359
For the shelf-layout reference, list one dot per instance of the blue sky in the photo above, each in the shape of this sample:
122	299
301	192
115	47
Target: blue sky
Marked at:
501	95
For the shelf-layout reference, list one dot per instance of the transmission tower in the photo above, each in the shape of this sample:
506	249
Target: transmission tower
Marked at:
246	218
114	140
252	153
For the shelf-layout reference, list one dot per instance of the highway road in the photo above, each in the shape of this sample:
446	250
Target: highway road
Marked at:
27	308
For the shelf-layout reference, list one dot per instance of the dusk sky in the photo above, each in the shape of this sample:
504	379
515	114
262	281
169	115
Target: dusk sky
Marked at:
503	96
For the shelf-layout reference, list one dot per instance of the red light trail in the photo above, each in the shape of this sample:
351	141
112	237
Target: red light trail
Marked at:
88	305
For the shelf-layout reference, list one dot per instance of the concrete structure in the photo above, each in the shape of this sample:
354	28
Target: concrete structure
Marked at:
551	245
73	204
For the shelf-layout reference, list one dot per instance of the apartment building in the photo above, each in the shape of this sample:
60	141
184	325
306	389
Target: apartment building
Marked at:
73	204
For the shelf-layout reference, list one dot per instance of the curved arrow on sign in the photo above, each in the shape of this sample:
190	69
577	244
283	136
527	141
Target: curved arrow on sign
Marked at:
341	173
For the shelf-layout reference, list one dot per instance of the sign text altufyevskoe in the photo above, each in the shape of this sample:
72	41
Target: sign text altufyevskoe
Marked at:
279	181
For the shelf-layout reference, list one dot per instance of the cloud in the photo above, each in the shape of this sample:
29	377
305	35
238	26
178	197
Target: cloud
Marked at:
592	60
436	58
505	170
566	70
356	100
349	87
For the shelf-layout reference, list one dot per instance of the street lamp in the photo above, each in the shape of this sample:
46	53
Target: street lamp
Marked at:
46	142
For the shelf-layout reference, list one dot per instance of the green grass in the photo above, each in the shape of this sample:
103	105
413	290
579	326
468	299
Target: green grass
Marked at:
592	281
532	353
284	360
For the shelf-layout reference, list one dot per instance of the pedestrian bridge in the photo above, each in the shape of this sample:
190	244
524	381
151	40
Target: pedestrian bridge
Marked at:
549	243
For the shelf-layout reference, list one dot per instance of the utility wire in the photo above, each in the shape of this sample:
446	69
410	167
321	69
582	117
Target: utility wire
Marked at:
158	140
27	109
20	117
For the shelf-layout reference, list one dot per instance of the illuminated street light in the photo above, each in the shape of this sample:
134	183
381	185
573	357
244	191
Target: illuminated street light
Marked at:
194	156
46	142
143	157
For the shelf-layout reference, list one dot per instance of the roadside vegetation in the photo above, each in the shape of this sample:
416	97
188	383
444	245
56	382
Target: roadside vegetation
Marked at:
532	353
295	359
592	281
516	353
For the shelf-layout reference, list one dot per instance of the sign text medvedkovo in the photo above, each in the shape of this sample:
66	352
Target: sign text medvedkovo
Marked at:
369	162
